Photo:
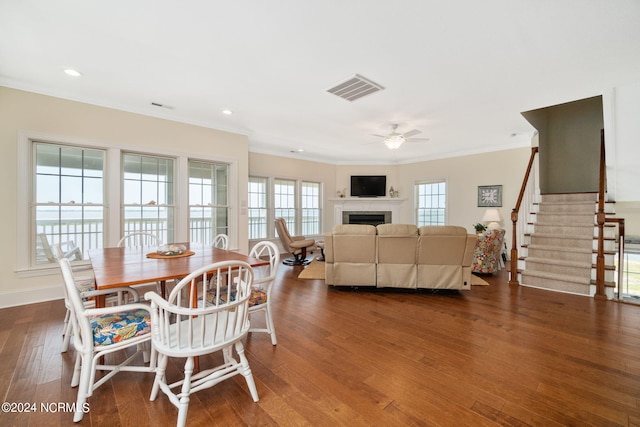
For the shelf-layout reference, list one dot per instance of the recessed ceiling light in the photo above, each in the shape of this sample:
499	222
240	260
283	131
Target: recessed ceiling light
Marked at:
227	112
73	73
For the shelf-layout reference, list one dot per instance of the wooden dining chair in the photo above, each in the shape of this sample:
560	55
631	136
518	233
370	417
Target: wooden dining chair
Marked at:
99	332
184	328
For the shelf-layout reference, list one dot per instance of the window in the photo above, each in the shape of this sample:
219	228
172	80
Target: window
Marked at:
147	196
258	208
208	201
310	195
284	192
430	203
86	195
298	202
68	198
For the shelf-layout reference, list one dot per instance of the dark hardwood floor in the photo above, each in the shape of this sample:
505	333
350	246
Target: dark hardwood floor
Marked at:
496	355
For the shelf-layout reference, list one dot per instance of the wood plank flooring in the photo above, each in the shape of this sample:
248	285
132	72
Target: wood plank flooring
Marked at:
496	355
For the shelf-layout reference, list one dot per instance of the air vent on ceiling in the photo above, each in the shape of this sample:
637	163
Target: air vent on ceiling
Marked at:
355	88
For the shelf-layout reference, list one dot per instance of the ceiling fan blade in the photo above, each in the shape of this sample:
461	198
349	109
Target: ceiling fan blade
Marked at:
417	139
411	133
380	136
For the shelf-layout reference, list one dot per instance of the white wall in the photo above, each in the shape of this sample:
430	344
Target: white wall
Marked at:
624	153
28	113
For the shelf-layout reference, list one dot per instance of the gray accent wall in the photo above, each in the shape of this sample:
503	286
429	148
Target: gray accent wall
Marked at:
569	145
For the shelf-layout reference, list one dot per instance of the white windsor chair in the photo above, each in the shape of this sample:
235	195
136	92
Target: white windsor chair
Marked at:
184	327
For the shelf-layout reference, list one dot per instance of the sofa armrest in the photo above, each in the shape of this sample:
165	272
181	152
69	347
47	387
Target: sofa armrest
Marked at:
467	258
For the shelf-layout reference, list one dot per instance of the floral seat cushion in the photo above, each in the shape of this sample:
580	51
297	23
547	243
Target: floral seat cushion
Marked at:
85	285
117	327
258	296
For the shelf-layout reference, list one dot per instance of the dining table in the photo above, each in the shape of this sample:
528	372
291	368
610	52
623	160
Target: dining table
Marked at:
122	266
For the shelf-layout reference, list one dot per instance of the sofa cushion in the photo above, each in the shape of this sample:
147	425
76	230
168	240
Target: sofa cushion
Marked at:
442	230
397	230
353	229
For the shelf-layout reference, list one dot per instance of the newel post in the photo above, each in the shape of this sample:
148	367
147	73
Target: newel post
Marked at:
513	273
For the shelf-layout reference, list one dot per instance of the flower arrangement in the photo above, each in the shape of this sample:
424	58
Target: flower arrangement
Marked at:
480	227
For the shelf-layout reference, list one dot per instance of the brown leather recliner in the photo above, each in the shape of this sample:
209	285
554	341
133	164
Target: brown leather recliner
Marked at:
296	245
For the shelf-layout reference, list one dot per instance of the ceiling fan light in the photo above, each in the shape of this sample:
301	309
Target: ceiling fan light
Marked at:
394	142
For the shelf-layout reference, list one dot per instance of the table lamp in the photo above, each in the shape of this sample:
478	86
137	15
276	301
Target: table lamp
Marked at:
493	217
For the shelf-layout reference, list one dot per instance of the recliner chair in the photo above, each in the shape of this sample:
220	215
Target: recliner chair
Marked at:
296	245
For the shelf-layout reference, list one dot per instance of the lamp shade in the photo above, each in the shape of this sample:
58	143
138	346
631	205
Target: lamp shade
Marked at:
493	217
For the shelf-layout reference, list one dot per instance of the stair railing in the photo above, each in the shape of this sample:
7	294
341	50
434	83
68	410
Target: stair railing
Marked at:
601	219
513	273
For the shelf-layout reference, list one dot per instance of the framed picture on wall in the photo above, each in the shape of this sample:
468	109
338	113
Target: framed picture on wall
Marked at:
490	196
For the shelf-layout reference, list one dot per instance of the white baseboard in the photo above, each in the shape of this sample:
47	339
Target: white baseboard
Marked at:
31	296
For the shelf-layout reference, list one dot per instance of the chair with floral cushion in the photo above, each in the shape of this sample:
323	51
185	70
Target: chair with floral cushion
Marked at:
183	327
260	299
84	284
487	252
99	332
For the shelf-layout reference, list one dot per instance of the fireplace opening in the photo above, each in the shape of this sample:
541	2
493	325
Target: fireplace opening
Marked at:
370	218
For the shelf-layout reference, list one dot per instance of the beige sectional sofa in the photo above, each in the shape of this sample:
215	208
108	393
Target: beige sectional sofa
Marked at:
399	256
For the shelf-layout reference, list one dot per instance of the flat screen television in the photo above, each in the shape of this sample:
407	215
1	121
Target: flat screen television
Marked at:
368	185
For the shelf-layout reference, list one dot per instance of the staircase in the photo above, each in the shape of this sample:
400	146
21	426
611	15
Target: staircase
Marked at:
560	251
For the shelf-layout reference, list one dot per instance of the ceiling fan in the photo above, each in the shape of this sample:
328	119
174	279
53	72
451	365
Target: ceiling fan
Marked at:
395	139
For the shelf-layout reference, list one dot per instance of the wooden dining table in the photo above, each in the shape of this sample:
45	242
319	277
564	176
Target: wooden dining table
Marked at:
115	267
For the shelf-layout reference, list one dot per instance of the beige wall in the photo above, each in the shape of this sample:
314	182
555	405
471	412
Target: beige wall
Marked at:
463	176
630	211
265	165
25	112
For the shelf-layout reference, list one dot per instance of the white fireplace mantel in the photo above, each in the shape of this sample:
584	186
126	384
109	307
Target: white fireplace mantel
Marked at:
366	204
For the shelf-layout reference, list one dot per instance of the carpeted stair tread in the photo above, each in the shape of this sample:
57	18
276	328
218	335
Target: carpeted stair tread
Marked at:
562	248
561	236
557	277
560	262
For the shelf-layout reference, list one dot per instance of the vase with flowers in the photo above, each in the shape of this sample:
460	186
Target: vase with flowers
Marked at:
479	227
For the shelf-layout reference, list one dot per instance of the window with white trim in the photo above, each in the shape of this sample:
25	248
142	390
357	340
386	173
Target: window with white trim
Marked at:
284	193
208	200
298	202
310	204
88	194
431	202
257	207
68	199
147	195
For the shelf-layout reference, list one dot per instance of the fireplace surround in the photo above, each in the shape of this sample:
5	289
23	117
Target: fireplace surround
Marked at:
391	207
366	217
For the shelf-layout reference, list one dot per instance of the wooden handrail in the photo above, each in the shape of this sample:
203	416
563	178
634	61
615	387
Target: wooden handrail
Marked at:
601	218
513	274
